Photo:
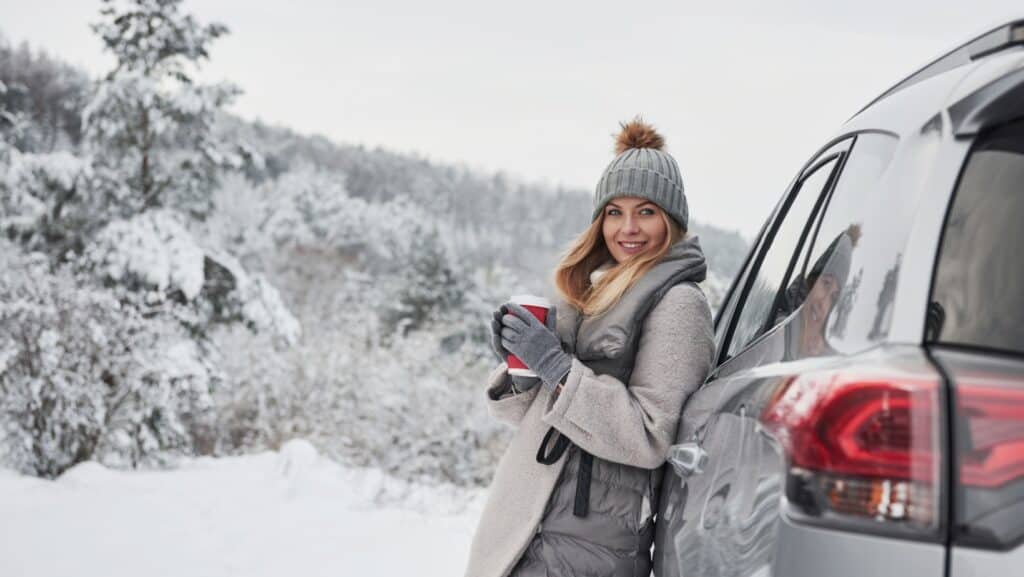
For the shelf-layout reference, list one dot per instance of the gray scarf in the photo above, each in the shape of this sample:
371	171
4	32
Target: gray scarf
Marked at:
609	335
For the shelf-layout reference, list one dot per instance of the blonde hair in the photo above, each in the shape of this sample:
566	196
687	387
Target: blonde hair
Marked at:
588	252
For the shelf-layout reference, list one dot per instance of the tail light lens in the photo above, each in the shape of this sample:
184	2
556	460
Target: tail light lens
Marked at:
992	451
988	433
863	448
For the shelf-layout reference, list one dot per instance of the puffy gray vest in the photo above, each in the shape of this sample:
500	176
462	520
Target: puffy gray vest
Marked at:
598	519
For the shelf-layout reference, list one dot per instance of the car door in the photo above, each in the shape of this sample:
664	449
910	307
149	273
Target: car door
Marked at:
721	489
815	296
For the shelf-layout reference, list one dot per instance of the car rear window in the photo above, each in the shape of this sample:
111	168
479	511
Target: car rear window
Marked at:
978	291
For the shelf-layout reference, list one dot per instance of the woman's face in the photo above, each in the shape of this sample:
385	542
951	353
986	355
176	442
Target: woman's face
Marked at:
632	226
821	298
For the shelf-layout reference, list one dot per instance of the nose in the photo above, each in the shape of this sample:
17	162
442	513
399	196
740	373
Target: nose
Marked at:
630	225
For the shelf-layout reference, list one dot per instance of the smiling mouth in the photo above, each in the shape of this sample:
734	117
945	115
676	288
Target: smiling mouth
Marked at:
631	246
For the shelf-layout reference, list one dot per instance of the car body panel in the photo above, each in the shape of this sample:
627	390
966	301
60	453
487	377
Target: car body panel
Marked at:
811	552
967	562
732	517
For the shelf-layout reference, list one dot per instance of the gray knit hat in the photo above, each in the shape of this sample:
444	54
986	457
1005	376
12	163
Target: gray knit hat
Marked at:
642	169
836	259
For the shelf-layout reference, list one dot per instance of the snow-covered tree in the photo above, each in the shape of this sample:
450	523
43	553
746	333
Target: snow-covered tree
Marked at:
40	200
150	122
47	96
155	255
82	376
430	286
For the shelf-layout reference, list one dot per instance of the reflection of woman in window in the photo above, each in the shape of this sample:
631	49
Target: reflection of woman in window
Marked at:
577	489
824	284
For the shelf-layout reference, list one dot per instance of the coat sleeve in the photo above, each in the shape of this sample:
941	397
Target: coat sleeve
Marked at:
636	425
502	403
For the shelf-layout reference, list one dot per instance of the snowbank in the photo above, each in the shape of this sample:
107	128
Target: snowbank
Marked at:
292	512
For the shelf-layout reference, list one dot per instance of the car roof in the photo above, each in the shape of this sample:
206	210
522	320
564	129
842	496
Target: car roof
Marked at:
913	101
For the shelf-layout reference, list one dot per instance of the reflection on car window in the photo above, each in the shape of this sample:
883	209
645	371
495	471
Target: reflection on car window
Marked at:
976	298
847	280
820	293
760	299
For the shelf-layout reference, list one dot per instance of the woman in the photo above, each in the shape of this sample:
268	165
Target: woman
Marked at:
576	490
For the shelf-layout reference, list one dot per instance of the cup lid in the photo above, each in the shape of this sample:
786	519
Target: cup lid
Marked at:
531	300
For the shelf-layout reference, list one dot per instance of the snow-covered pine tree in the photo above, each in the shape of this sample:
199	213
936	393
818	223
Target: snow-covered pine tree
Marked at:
431	285
157	162
104	345
151	123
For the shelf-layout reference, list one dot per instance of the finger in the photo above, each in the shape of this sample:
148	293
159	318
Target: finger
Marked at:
551	321
509	335
507	345
522	313
496	326
513	322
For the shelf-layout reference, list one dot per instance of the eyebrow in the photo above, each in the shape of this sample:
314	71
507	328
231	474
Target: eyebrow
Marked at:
637	206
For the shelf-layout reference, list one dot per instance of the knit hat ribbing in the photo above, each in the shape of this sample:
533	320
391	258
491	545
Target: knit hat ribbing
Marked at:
643	170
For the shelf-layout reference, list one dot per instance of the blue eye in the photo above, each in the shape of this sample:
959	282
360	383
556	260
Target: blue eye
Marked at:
647	211
613	212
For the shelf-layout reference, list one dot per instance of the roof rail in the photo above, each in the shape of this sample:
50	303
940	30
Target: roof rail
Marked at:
1011	34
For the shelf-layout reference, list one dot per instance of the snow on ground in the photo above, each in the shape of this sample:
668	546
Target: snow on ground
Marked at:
290	513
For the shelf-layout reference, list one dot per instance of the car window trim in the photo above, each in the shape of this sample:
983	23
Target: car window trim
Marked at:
772	227
740	275
820	216
819	204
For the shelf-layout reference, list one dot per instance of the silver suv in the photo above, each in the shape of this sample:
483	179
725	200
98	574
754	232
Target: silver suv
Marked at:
866	414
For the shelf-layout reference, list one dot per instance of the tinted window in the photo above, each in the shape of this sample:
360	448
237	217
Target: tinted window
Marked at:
760	299
978	293
847	279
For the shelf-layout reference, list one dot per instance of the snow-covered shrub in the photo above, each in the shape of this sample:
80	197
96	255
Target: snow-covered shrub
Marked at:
416	409
413	407
41	199
84	375
154	252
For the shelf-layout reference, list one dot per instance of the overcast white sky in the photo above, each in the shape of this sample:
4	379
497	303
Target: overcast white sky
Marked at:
743	93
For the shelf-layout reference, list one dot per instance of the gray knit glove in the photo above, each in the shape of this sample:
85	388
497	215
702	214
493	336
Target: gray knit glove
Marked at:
537	345
496	327
520	383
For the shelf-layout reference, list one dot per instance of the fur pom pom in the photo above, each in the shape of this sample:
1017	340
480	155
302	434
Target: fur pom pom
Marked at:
637	134
854	231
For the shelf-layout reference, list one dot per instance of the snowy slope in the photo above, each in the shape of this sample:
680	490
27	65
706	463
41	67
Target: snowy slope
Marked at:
287	513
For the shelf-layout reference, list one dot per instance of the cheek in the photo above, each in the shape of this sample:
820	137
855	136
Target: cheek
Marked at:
657	232
609	233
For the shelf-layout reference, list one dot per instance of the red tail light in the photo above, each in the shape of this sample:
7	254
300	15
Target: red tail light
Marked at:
988	436
862	445
993	455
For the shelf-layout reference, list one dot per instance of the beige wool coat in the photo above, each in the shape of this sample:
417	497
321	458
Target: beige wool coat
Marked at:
632	424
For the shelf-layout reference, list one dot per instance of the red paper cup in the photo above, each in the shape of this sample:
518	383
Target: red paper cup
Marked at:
539	306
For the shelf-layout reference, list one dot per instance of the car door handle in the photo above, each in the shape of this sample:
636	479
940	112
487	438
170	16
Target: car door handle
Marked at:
687	459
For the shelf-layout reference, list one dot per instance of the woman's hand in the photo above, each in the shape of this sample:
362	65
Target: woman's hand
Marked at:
496	327
535	343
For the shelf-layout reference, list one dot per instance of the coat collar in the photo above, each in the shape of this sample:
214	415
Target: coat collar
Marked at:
610	334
